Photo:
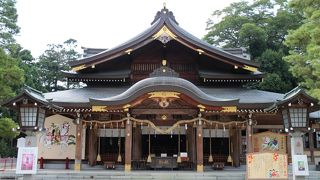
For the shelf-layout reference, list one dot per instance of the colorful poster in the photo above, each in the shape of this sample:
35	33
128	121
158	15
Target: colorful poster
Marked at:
269	142
267	166
58	139
27	160
300	165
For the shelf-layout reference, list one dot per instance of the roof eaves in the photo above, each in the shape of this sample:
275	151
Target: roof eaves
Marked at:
122	47
206	46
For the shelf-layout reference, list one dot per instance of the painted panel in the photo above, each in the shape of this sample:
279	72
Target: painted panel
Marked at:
269	142
267	166
58	139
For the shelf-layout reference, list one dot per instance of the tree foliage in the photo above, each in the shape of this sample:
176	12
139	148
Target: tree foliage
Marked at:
304	44
54	60
11	76
29	65
8	23
6	136
6	125
261	27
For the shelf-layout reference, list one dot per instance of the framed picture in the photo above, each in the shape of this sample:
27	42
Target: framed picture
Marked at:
300	165
27	160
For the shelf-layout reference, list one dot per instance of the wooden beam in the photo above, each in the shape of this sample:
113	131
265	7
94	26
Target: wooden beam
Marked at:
164	111
268	127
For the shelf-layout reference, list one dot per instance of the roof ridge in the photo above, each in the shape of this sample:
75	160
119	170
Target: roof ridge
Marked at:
164	14
30	89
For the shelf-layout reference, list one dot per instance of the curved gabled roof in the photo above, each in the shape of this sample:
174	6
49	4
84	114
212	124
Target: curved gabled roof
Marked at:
164	18
292	96
164	84
34	95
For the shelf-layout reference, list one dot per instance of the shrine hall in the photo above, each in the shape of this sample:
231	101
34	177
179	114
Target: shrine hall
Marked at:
164	99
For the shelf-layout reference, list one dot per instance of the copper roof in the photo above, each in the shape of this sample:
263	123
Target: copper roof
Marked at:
164	18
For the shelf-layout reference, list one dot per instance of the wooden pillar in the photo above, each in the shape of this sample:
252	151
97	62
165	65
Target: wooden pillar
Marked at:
128	146
199	147
136	143
289	149
249	135
236	140
78	154
311	147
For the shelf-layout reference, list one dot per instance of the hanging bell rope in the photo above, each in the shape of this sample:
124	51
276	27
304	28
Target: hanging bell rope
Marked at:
210	156
179	156
119	145
149	156
229	156
98	156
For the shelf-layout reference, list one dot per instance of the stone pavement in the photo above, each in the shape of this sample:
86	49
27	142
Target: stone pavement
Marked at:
118	175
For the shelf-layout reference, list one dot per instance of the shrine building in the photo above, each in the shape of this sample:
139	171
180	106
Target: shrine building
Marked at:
164	99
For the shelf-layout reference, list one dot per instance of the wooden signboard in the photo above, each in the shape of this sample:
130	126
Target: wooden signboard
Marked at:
267	166
269	142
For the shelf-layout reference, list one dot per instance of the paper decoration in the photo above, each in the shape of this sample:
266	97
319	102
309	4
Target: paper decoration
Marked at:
269	142
267	166
21	142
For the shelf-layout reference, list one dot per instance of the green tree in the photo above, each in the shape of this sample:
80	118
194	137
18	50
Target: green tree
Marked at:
29	65
254	37
271	62
6	137
8	23
261	26
11	76
54	60
304	44
6	126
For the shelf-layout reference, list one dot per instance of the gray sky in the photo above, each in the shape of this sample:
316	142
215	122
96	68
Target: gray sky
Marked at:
103	23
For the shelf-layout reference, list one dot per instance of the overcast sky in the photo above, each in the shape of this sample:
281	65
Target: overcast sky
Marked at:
103	23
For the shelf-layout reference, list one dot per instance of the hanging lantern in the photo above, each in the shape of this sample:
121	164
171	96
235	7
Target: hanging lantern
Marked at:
31	115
